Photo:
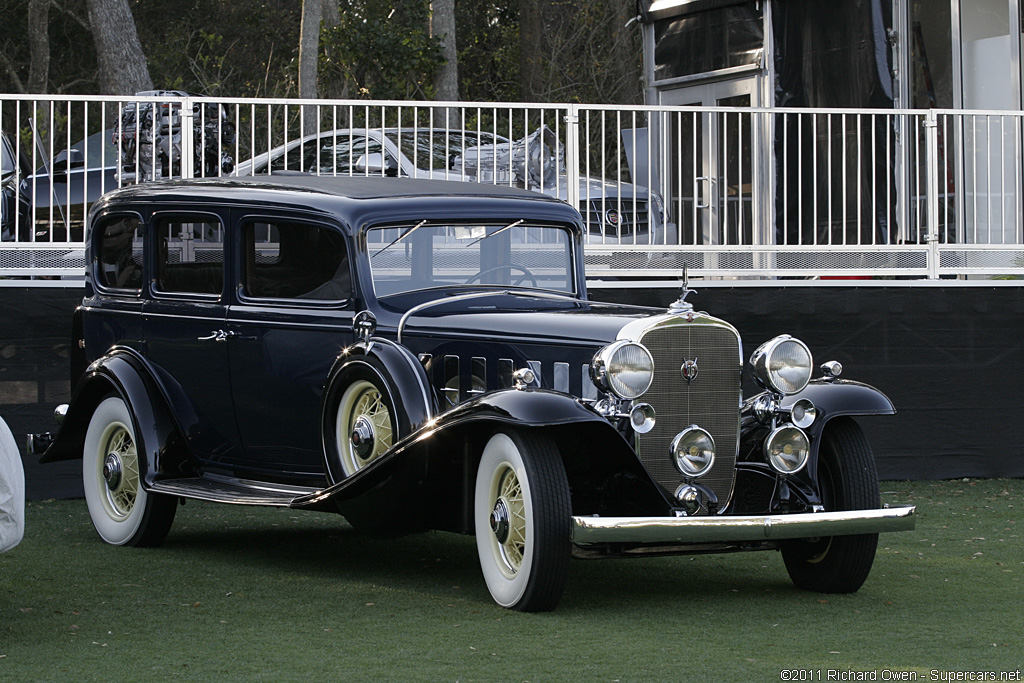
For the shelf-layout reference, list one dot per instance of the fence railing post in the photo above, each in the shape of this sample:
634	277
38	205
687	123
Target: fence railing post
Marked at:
187	138
572	155
931	132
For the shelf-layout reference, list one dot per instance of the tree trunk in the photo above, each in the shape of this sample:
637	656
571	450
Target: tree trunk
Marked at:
122	65
38	45
309	54
446	81
332	88
531	34
331	16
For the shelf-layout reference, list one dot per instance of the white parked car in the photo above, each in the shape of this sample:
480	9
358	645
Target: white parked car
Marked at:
614	212
12	491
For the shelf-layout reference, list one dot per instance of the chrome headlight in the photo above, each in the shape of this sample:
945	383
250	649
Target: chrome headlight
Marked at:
782	364
787	449
693	452
624	368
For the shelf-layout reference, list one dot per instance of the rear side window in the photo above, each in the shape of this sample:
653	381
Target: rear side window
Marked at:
190	254
292	260
119	253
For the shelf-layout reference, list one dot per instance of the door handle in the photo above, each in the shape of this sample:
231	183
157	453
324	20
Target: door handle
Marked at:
216	335
696	187
223	336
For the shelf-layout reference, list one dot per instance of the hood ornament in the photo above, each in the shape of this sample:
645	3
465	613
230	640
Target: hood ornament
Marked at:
681	305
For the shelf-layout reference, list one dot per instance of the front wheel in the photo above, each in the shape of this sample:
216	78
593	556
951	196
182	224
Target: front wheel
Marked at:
121	509
847	480
522	516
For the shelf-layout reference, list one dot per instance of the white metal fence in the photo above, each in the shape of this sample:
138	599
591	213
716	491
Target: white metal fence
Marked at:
731	192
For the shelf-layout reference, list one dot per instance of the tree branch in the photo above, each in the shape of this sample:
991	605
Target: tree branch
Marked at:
63	9
9	68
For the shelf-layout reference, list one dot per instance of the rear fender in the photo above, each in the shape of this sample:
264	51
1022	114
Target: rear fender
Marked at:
125	374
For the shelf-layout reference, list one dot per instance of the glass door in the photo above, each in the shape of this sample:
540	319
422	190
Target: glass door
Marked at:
713	167
990	82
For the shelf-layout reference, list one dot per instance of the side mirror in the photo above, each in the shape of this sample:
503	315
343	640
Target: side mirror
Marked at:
64	162
375	164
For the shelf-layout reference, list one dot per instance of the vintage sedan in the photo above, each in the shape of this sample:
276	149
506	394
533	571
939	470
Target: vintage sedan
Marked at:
420	354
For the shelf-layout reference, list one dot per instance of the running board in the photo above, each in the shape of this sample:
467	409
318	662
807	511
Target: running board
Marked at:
248	493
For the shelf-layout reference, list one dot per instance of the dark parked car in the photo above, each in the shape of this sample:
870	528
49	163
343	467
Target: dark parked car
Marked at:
422	355
56	194
62	192
14	204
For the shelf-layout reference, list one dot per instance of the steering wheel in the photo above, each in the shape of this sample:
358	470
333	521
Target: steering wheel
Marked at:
526	274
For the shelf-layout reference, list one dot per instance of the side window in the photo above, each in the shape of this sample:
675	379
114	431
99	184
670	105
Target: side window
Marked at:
328	155
291	260
190	254
119	253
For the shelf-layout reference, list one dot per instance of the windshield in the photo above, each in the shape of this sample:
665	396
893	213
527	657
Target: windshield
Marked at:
426	254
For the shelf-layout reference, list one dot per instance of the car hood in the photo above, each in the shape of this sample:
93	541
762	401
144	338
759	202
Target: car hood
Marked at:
525	320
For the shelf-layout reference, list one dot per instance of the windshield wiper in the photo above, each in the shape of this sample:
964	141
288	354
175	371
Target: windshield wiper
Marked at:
403	236
496	232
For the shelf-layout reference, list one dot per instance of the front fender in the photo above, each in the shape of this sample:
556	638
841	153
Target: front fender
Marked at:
832	399
124	373
530	408
842	397
437	462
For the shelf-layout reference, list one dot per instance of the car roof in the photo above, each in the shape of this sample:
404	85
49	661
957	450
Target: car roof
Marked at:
358	201
352	187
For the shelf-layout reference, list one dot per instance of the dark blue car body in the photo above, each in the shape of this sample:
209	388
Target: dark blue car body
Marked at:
423	355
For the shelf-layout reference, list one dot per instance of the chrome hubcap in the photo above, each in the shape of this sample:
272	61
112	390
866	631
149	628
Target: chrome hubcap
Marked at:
112	471
499	521
363	437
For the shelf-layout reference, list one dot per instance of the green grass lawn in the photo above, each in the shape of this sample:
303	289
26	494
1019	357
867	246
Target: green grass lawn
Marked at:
257	594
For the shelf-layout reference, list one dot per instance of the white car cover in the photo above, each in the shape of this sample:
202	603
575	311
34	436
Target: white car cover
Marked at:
12	490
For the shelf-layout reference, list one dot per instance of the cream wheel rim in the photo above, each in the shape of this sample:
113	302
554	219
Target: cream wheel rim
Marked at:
119	484
508	521
362	400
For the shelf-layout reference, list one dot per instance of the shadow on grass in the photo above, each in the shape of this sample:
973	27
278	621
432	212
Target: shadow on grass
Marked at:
445	565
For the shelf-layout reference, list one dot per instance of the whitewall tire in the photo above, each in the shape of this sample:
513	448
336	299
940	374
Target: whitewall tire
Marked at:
112	470
522	518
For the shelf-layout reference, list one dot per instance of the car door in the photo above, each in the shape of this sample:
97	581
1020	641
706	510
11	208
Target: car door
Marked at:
290	318
186	338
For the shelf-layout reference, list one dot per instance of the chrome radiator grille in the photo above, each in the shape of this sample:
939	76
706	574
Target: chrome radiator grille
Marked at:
616	217
710	401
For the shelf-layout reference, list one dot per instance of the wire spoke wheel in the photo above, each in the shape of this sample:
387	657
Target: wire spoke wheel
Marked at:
120	448
364	428
522	517
122	511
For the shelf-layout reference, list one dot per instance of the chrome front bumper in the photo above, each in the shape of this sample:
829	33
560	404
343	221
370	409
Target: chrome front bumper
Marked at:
728	528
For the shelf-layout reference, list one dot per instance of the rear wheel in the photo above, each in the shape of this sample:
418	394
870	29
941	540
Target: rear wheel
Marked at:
522	518
847	480
122	511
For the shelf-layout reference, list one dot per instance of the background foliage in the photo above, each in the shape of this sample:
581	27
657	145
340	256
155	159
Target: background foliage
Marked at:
380	50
